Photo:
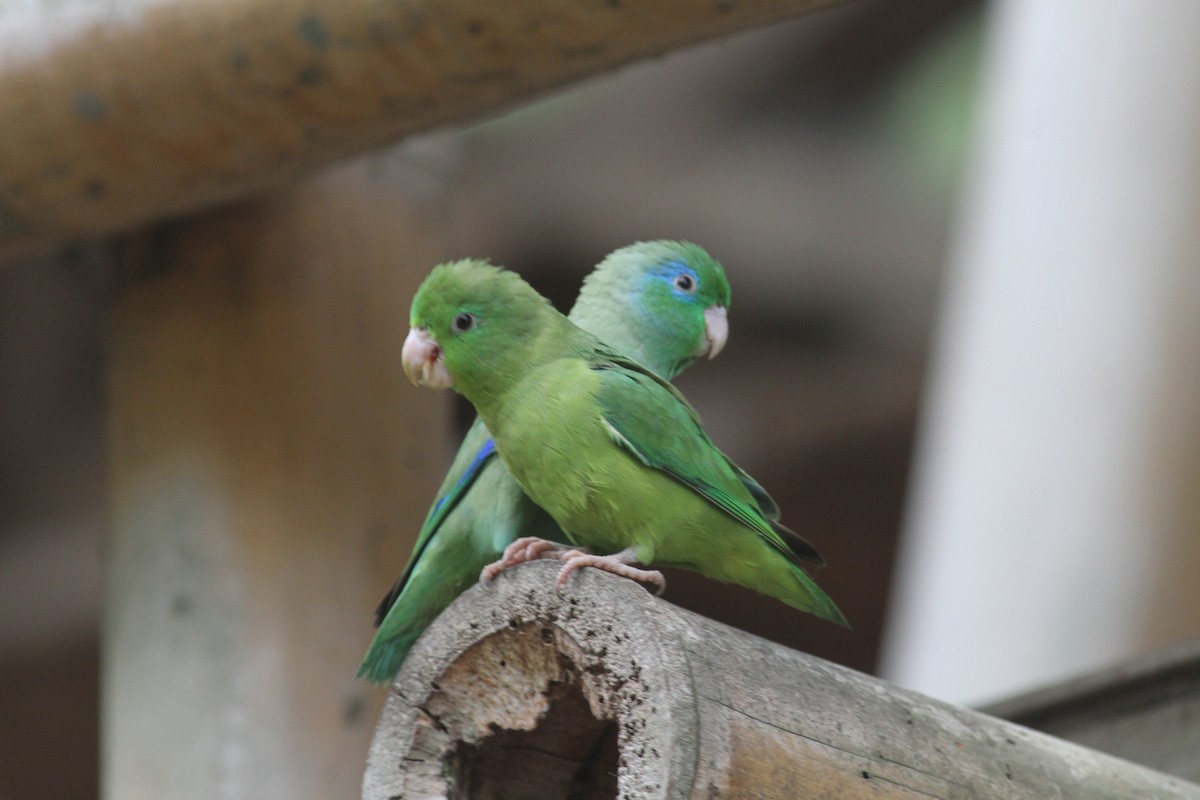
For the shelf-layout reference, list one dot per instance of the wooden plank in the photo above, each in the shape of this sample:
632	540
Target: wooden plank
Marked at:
266	460
117	113
1146	710
679	706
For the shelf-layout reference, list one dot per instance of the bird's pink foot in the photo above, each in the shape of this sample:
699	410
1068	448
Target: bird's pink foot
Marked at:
527	548
617	564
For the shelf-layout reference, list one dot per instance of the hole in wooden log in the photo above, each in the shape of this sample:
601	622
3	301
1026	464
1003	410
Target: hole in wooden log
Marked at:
510	719
570	755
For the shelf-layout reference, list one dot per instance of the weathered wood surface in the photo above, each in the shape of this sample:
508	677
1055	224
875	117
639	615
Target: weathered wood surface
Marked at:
605	691
1147	710
261	441
117	113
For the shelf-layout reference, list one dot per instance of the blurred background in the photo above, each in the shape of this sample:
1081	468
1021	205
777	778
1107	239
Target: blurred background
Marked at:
829	164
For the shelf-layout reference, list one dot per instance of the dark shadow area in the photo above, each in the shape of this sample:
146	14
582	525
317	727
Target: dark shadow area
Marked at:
570	755
49	712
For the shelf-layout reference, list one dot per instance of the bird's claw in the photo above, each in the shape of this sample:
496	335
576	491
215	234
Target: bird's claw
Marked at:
531	548
527	548
574	560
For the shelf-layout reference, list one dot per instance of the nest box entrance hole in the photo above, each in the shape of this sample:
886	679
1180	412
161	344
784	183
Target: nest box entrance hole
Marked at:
570	755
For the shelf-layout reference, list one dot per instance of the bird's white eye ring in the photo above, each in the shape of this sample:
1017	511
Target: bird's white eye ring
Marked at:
685	283
463	322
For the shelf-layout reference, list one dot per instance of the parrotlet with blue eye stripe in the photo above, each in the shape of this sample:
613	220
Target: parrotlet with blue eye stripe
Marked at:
610	449
662	303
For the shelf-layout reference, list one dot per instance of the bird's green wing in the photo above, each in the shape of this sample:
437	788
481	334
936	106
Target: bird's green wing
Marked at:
476	451
640	409
604	357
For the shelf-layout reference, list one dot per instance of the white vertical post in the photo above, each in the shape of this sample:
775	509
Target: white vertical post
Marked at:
1055	523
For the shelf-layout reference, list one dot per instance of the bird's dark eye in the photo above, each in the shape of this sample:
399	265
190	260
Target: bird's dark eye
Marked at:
463	322
685	283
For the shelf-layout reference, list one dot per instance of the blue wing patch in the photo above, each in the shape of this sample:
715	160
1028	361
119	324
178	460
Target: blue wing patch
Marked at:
487	451
444	505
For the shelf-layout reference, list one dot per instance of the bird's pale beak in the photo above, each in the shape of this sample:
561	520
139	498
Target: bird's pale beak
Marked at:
716	329
424	361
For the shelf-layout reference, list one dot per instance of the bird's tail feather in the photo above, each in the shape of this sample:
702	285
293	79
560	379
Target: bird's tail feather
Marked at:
384	658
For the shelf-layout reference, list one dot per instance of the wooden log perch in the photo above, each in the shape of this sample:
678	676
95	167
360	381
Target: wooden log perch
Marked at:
115	113
606	691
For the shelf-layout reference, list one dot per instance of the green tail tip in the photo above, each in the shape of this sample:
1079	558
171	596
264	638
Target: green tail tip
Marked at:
383	661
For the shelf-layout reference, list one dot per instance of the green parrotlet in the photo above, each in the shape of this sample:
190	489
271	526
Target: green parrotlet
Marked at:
664	304
605	445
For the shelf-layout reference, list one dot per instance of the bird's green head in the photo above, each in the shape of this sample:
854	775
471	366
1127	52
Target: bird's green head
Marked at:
473	326
663	303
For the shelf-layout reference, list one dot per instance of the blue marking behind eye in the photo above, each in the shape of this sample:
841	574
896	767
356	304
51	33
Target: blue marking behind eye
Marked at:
669	271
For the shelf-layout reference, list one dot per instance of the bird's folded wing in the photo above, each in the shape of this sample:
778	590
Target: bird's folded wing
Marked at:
657	426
